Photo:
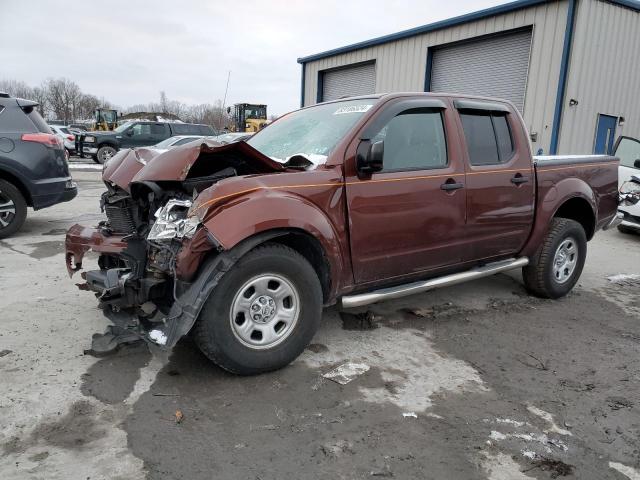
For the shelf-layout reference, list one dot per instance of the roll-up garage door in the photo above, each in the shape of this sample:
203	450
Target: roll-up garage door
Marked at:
492	67
349	82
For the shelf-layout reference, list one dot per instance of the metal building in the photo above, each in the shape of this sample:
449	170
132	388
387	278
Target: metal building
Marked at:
572	67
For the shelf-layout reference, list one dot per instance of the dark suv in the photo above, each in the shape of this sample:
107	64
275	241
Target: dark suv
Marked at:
104	145
33	169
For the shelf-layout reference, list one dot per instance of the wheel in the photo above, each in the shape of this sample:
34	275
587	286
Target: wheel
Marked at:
555	268
105	153
13	209
263	313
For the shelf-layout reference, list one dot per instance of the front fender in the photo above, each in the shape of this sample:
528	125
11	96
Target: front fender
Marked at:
265	210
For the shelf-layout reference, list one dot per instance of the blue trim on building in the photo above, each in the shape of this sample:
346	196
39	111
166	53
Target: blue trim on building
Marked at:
428	70
302	84
469	17
562	81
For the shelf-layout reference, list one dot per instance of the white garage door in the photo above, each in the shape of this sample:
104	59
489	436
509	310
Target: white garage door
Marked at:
349	82
493	67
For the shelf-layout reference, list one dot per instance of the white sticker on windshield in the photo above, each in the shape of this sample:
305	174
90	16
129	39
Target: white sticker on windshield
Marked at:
353	109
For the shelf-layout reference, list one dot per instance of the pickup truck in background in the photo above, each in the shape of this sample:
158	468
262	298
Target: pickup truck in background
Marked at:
354	201
101	146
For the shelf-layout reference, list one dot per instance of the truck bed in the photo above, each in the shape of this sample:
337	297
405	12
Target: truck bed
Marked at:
591	177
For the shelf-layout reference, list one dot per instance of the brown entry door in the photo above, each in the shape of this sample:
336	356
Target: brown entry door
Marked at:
409	217
500	183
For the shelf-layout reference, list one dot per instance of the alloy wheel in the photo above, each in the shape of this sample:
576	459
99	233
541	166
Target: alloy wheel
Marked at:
7	210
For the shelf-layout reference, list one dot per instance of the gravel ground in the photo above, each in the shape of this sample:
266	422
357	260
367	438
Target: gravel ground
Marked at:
476	381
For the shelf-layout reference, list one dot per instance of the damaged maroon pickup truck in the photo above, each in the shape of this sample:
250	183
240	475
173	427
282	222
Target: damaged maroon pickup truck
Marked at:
354	201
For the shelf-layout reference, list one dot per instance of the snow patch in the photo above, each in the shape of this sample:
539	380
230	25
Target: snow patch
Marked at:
347	372
547	417
497	435
158	336
406	359
508	421
623	277
628	472
500	466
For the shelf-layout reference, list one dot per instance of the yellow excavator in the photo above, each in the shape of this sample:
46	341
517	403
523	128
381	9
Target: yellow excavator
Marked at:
104	119
249	117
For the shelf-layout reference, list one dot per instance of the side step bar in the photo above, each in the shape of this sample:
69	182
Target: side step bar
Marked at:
359	300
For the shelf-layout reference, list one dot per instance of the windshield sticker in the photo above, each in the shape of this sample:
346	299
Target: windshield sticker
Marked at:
353	109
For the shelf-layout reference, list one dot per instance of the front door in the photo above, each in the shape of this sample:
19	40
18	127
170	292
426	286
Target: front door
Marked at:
500	182
409	217
138	135
605	134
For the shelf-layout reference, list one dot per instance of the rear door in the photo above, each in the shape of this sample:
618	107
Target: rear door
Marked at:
408	218
500	179
159	132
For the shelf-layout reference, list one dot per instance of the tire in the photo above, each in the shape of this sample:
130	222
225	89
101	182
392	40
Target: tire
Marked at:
219	331
94	158
565	242
104	153
13	209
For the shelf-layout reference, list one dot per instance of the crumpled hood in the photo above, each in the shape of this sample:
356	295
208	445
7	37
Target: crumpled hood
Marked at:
146	164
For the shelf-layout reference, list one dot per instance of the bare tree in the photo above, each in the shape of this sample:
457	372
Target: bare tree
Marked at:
41	96
64	96
164	104
16	88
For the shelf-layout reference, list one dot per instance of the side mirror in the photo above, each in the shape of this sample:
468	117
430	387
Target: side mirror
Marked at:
637	163
369	157
129	132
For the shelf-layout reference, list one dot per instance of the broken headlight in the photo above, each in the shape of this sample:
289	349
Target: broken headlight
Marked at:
172	222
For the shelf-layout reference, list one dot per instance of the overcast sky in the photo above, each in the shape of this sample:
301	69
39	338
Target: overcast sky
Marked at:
128	51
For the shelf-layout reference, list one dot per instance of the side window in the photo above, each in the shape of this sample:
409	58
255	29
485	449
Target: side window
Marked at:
141	129
158	129
503	137
414	139
628	151
488	137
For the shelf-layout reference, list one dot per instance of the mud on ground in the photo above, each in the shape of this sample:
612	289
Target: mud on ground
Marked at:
476	381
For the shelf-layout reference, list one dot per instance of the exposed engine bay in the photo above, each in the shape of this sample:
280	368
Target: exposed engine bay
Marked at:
151	242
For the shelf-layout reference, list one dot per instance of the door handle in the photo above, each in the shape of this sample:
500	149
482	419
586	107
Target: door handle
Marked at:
451	185
519	179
